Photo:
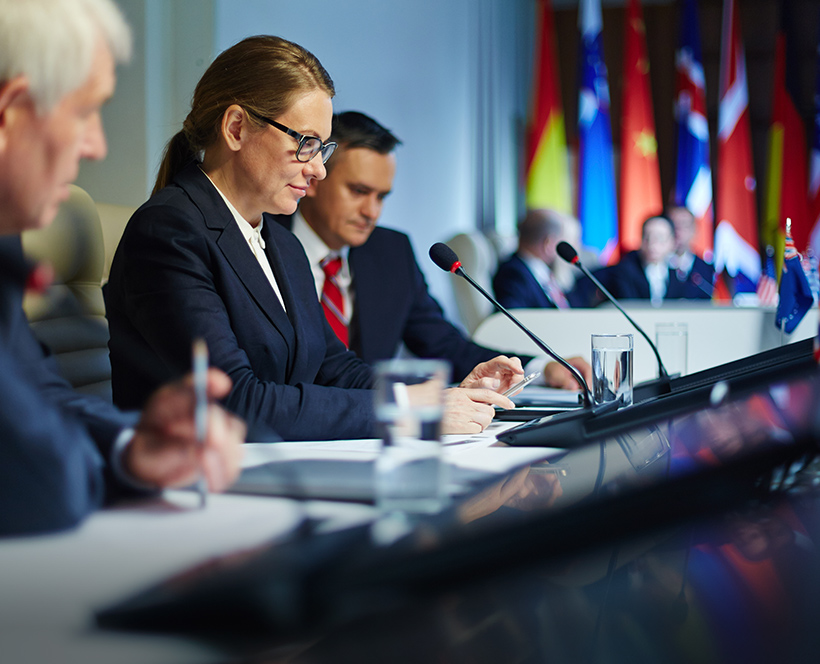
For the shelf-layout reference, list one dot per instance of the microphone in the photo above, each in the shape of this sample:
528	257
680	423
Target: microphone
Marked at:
567	252
447	260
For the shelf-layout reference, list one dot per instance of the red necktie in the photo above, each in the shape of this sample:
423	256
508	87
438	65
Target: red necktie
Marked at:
332	300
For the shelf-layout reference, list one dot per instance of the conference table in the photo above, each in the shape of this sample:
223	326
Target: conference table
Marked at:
692	538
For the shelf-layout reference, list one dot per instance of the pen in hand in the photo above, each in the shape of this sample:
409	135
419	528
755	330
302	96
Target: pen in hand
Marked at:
200	368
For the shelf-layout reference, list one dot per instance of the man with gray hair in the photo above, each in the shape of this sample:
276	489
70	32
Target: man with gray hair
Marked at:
64	454
526	280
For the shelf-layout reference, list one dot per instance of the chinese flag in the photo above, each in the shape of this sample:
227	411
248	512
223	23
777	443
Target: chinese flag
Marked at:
640	175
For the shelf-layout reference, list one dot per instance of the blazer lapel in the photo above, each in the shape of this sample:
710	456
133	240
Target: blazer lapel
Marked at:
229	239
280	272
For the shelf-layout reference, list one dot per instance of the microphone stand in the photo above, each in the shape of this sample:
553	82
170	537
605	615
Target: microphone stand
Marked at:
661	385
457	269
565	429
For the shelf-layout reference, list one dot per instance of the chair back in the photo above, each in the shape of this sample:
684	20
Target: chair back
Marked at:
480	260
70	317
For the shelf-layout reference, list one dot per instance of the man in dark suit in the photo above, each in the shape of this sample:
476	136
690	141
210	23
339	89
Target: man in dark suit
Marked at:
696	276
525	280
63	454
385	296
644	274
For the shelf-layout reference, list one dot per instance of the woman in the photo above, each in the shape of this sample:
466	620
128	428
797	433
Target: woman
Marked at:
201	259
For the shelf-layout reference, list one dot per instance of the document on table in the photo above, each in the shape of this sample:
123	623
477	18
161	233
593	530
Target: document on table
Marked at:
343	469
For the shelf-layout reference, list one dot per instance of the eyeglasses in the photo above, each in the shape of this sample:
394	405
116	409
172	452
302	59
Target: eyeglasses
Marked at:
309	146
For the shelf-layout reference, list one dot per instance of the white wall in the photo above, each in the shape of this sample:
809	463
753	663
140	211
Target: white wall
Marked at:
451	79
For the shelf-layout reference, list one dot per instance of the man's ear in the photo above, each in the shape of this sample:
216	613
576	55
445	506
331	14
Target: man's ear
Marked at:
234	128
14	98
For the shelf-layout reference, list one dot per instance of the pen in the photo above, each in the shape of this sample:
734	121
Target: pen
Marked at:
200	366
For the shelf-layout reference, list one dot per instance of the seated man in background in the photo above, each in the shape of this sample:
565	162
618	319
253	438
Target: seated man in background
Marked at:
643	274
696	276
380	290
526	280
63	454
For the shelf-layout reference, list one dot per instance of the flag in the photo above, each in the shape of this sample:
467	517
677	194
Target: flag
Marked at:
795	294
548	184
693	181
640	174
767	284
814	169
596	174
736	241
785	195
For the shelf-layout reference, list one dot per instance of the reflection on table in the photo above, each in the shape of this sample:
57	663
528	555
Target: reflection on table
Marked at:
688	540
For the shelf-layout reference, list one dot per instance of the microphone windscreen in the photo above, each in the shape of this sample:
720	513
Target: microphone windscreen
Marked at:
443	256
566	252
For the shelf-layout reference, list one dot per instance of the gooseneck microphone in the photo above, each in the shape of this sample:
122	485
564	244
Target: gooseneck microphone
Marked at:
567	252
447	260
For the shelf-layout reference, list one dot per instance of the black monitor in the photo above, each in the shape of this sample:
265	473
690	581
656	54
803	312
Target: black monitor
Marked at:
568	430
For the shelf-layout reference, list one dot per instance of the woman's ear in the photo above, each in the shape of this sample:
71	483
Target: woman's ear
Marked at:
234	126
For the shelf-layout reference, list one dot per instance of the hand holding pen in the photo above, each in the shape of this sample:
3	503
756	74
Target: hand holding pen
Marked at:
183	437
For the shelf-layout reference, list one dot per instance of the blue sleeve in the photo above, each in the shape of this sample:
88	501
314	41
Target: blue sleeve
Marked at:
50	471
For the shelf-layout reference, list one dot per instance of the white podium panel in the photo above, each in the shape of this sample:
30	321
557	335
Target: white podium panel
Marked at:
717	334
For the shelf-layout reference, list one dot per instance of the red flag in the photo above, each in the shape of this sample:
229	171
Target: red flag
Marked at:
548	183
786	194
736	239
640	175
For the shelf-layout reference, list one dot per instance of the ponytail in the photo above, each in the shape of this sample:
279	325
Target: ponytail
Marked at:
177	154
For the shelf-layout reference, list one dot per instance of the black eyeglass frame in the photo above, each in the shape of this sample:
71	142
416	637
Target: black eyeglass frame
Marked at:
326	149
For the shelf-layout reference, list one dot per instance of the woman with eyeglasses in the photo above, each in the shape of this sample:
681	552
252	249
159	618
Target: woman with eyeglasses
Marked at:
201	259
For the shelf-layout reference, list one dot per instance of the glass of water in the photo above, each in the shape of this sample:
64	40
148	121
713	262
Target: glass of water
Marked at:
410	473
612	368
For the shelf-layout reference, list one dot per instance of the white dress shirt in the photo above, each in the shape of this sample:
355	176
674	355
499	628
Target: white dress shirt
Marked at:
253	236
682	263
543	275
657	274
317	251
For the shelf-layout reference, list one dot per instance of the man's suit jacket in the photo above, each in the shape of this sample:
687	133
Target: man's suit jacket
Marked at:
698	284
516	287
183	270
392	305
52	439
626	280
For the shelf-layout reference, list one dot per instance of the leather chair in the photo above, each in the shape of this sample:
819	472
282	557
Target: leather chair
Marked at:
69	319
